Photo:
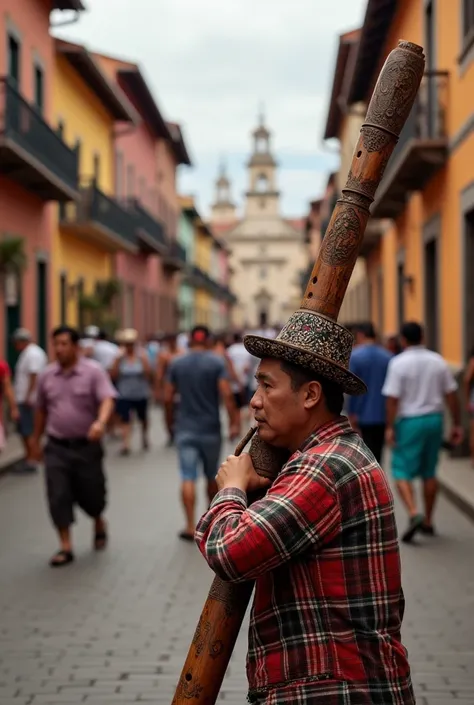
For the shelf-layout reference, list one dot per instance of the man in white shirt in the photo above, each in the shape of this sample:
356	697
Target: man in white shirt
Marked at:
31	361
418	385
242	364
104	351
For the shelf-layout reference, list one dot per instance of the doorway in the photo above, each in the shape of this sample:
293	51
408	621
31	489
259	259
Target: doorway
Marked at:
401	292
468	283
42	303
431	269
13	285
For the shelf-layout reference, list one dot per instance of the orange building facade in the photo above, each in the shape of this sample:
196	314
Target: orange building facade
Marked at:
421	266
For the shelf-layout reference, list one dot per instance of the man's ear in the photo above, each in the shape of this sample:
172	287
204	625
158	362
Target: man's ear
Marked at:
313	395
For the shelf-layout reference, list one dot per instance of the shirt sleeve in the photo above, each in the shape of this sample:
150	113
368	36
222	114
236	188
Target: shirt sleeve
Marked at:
449	383
40	393
393	382
353	402
300	512
104	389
36	362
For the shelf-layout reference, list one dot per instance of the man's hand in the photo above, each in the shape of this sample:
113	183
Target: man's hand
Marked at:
390	436
239	472
15	414
96	431
36	450
457	435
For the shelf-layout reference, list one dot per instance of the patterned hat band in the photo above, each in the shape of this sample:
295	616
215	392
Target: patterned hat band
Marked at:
318	334
315	342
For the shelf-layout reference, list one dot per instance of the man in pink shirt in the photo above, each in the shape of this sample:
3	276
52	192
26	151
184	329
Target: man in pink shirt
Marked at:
74	403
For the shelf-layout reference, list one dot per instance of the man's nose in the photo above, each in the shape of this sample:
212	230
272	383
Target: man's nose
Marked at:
256	401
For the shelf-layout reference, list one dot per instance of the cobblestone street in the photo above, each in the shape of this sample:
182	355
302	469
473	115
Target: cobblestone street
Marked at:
115	627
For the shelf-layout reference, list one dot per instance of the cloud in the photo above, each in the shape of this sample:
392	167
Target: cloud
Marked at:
211	63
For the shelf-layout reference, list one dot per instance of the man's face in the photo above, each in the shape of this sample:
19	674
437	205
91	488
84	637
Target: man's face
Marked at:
20	345
279	411
65	350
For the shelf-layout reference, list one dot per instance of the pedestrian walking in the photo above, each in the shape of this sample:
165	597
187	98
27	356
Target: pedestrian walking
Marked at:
75	399
132	374
418	385
200	378
170	350
32	360
469	400
7	394
104	351
367	413
242	364
321	545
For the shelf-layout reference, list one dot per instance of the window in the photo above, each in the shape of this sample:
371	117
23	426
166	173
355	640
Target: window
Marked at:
130	181
39	88
468	21
96	167
262	183
14	60
119	174
63	298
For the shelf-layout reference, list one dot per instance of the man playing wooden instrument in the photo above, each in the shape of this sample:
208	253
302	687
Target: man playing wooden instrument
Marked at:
321	544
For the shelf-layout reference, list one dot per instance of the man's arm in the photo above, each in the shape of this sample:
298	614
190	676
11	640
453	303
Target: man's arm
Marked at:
168	401
299	512
105	394
10	395
225	391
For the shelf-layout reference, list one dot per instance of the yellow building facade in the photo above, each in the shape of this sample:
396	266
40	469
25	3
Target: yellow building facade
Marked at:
86	109
422	265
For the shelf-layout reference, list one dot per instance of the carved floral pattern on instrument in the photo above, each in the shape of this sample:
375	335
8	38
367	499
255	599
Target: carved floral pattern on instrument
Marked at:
223	592
340	244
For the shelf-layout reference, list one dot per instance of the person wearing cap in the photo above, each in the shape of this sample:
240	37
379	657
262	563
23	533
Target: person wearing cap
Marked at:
75	400
88	341
32	360
321	544
200	379
132	374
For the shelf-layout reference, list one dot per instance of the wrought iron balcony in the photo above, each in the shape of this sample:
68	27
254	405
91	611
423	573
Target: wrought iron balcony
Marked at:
31	153
101	220
175	257
150	231
421	150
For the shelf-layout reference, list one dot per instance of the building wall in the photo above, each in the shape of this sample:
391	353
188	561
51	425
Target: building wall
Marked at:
22	214
86	119
440	198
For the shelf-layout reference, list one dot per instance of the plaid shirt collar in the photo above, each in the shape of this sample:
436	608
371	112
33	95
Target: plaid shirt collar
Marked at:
327	433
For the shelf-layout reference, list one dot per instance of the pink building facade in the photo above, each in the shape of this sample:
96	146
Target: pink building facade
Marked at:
146	160
36	167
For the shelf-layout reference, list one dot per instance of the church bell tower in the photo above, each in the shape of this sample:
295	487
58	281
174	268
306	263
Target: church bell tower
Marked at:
262	197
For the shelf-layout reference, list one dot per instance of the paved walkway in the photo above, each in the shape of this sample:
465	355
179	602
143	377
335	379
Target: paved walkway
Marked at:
115	627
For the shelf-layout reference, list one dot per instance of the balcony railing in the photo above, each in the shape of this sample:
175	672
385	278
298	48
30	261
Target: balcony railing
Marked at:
31	153
175	256
150	232
421	149
100	218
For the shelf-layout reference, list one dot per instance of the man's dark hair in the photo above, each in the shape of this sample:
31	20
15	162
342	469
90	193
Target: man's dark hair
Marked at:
332	392
412	332
67	330
367	329
237	337
200	334
102	335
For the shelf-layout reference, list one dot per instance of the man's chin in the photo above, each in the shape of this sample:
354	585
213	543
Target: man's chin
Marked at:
267	435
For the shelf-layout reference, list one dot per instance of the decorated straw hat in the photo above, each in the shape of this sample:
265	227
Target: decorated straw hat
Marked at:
315	342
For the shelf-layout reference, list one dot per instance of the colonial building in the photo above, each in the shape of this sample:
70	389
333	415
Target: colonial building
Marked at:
267	251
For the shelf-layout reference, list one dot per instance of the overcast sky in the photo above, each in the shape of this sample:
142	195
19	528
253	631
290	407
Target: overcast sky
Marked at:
211	63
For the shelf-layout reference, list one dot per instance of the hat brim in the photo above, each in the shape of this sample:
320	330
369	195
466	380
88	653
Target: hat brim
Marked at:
268	347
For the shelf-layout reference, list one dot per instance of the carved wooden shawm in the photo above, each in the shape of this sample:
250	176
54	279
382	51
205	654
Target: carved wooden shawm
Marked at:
391	103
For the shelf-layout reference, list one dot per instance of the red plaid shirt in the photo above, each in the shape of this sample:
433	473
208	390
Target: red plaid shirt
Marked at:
322	546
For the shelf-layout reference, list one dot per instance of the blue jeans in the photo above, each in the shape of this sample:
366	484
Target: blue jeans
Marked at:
194	450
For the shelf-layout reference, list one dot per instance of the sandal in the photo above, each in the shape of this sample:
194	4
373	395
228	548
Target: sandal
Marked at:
185	536
61	558
124	452
100	540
